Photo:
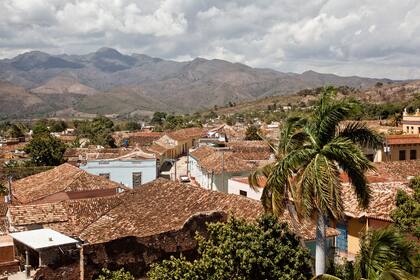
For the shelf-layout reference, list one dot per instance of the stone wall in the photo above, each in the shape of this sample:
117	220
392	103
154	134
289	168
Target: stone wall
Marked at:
135	254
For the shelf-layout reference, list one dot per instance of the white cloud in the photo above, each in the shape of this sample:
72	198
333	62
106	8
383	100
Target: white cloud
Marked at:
360	37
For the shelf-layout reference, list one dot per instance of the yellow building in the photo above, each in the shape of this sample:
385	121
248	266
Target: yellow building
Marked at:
357	221
400	147
411	123
176	143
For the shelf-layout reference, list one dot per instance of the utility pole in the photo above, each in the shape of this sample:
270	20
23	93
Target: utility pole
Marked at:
223	170
175	168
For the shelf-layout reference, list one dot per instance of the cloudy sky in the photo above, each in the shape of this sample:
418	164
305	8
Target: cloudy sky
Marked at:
375	38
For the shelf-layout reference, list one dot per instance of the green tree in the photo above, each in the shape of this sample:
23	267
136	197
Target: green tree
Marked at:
386	254
46	150
40	127
98	131
253	133
57	125
158	118
314	167
121	274
407	214
240	250
132	126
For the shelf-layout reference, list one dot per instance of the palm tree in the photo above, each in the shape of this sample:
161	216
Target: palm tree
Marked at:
291	137
386	254
309	172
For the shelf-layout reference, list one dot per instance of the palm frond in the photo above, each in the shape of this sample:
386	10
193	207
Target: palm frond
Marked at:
360	133
354	163
328	115
385	252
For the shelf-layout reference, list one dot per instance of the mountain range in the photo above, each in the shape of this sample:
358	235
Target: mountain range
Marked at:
109	82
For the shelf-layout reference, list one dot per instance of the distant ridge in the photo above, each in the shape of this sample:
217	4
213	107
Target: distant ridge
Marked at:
109	82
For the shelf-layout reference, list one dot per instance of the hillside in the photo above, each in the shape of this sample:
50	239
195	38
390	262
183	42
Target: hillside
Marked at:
398	92
109	82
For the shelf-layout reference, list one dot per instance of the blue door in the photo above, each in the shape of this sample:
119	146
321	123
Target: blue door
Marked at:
341	239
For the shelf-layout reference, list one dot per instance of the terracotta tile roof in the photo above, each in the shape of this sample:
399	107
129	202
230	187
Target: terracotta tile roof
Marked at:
250	150
63	178
381	204
402	139
156	207
69	217
202	152
156	149
38	214
214	160
396	170
187	133
166	206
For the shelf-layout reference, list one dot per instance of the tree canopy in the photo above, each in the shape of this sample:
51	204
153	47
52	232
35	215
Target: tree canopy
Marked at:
46	150
407	214
240	250
253	133
98	131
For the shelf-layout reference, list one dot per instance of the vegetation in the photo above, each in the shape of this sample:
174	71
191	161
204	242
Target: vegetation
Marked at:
163	121
253	133
98	131
407	214
46	150
239	250
12	130
386	254
307	170
121	274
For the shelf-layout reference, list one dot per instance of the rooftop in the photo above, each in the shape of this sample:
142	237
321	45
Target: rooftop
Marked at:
402	139
157	207
42	238
63	178
186	133
381	204
214	160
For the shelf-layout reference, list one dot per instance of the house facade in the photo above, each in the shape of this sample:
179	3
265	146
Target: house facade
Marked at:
177	143
131	173
240	186
211	168
130	167
411	122
400	148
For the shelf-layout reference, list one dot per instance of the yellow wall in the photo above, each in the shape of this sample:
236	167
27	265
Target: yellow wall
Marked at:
355	228
395	151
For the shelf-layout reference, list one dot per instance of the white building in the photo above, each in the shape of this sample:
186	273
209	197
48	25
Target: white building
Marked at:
240	186
132	170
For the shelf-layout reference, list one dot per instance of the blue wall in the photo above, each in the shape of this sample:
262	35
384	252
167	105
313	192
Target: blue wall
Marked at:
121	171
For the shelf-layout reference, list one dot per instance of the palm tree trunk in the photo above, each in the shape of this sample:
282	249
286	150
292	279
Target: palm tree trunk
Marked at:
320	252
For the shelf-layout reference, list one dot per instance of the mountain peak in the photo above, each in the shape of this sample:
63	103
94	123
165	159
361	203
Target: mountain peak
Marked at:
108	52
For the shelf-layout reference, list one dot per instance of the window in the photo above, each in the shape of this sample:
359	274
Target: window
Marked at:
105	175
402	155
413	154
243	193
136	179
370	157
418	128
